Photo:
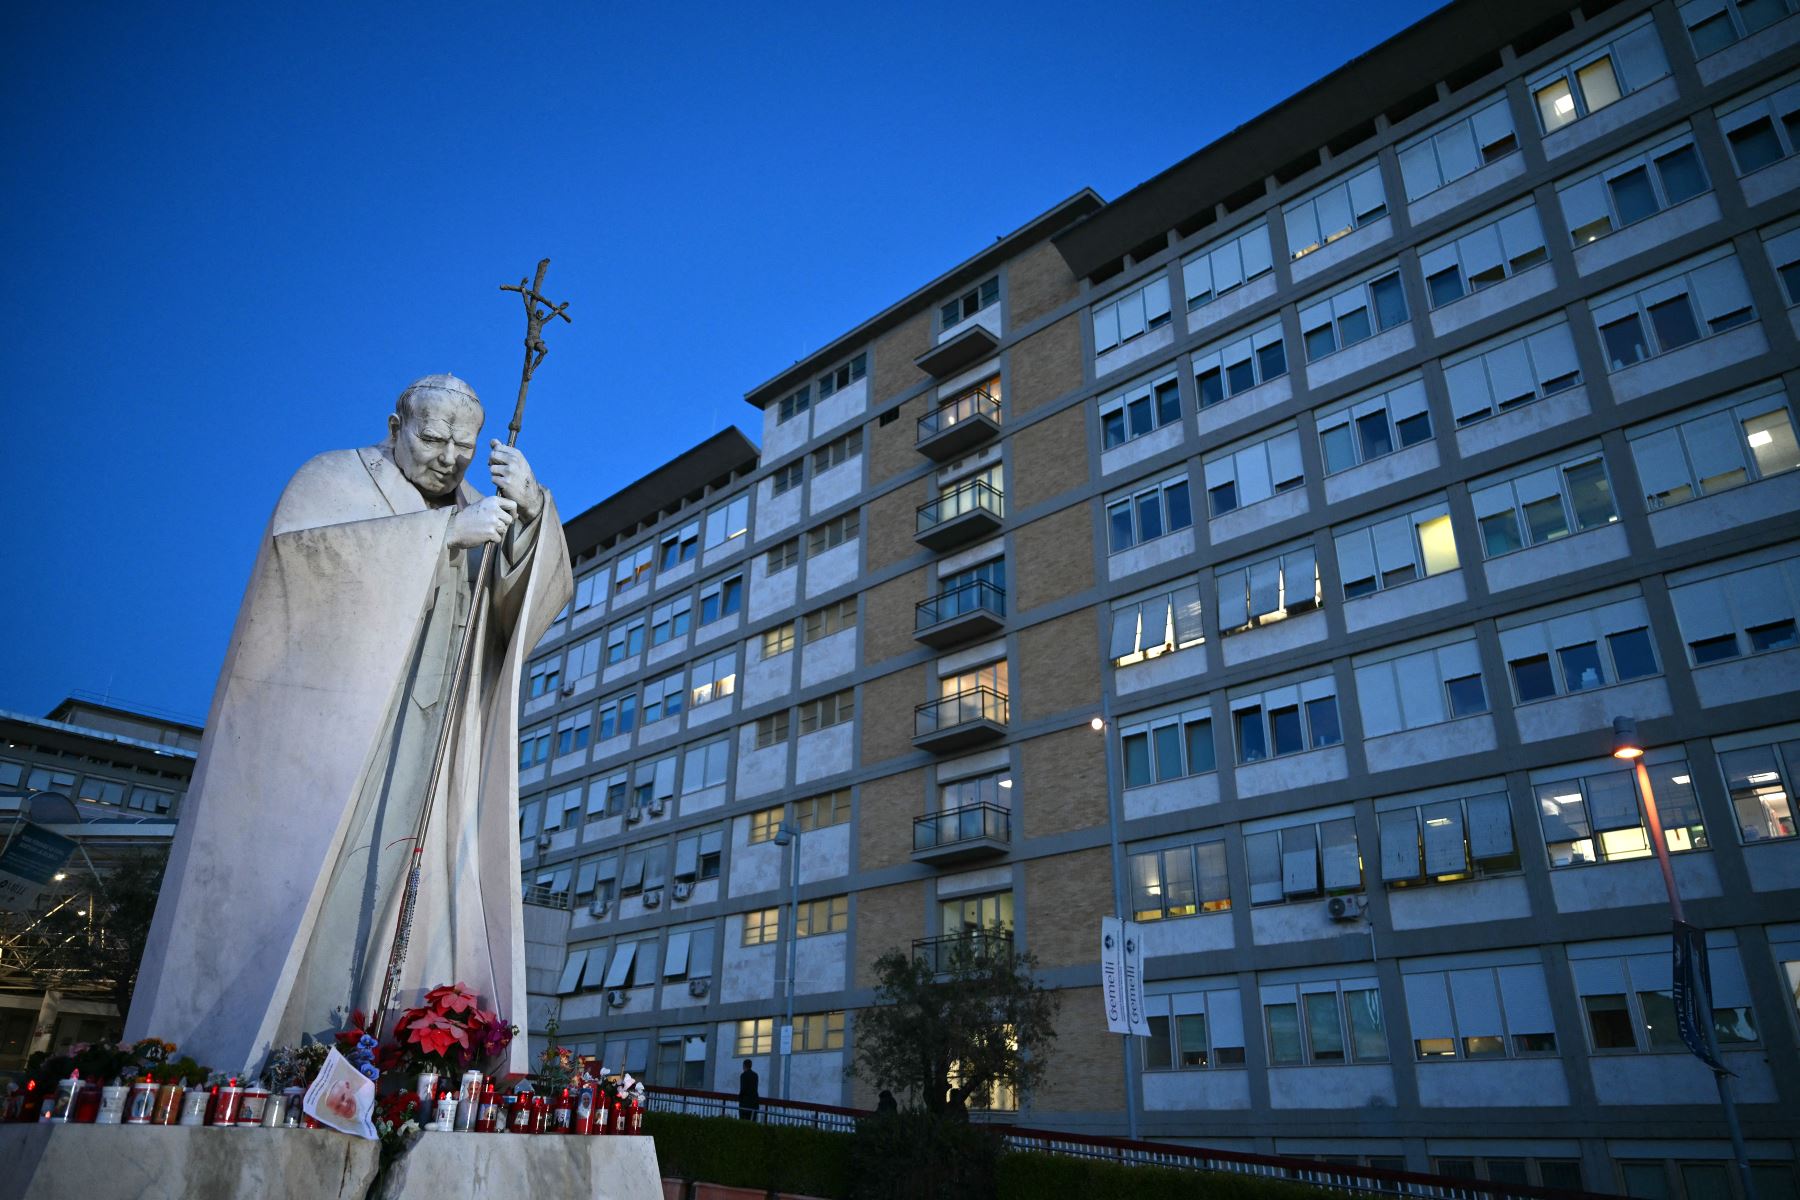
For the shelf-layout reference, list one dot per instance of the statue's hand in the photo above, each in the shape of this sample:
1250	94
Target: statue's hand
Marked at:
513	479
485	521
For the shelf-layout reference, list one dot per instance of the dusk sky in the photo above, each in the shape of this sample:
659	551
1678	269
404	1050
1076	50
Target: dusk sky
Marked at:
237	231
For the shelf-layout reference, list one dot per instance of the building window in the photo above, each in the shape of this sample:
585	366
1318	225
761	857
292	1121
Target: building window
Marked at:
563	810
618	715
786	478
590	590
697	855
632	569
993	788
1324	1023
1506	373
1713	25
1727	447
781	556
1598	816
832	534
1424	687
1628	999
1544	505
608	796
584	664
728	522
756	1035
1140	410
100	791
1747	611
1352	315
1303	861
681	1060
778	640
1479	1012
722	598
1254	473
827	711
1599	74
663	697
835	617
1194	1030
1580	650
818	1031
1764	131
838	452
830	914
1334	210
1676	308
1631	188
572	733
1396	551
1286	720
822	812
624	640
842	376
1456	148
534	748
680	546
669	621
1482	257
1148	514
1131	315
792	406
1784	255
1232	368
1447	841
1270	590
771	730
653	783
1226	266
1144	628
704	766
545	677
765	823
969	303
762	926
1170	747
1760	780
714	679
1179	882
1374	427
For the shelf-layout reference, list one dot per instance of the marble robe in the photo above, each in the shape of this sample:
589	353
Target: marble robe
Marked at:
284	880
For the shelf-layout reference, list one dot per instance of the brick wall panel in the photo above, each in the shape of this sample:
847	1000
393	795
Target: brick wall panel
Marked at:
888	614
1062	781
1036	282
1058	668
1053	557
1048	458
884	817
1046	365
887	714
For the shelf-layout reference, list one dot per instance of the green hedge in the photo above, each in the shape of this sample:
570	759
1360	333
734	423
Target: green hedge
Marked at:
1026	1176
750	1154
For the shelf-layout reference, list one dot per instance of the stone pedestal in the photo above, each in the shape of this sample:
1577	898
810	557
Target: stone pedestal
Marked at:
151	1162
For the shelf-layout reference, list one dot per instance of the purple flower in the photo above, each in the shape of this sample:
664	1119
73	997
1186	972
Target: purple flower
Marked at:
369	1070
365	1042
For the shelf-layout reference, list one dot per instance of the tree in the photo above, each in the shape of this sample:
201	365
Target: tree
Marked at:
127	902
982	1020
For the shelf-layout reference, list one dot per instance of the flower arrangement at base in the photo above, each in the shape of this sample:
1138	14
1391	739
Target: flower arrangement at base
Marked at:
356	1044
396	1124
294	1066
447	1033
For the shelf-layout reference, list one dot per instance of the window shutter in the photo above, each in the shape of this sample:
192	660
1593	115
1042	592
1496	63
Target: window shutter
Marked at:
1234	608
687	858
1639	56
675	957
1302	224
620	970
1492	124
1131	315
1300	860
1419	170
1490	827
1481	250
1225	1014
1701	610
1759	597
1343	869
1356	557
584	878
1407	400
1227	267
571	975
1444	853
1378	699
1585	203
1729	987
1428	1006
1251	466
1156	298
1715	444
665	777
1720	288
1186	603
1400	845
1527	1001
1284	456
1196	277
1254	249
1661	467
1468	386
1220	470
1125	631
1106	327
1265	585
1394	544
1366	193
1477	1003
1333	209
1300	576
1520	233
1509	373
1651	972
1421	690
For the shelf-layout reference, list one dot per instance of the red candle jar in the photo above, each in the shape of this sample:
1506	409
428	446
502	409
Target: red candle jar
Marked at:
226	1101
86	1109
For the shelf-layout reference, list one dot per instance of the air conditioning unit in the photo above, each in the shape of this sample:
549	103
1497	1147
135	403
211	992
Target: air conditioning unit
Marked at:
597	908
683	890
633	815
568	689
616	998
543	841
1345	908
652	897
656	808
699	987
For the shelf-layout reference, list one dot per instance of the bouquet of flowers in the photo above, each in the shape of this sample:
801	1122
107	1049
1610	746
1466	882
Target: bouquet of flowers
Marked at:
396	1124
557	1068
294	1066
448	1032
355	1043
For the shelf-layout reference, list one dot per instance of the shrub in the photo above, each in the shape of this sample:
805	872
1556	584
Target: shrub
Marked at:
1032	1176
750	1154
930	1156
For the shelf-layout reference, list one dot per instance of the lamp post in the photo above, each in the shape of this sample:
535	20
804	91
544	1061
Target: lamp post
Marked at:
788	835
1100	726
1629	747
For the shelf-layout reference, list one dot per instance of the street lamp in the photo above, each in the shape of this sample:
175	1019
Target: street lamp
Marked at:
787	834
1629	747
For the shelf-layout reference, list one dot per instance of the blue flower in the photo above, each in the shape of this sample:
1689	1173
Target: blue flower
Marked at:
368	1069
365	1042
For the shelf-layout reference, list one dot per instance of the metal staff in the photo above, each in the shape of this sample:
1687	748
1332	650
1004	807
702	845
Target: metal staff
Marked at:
535	350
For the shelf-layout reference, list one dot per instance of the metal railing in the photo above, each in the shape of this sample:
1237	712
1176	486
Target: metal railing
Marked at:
977	595
544	897
973	403
1338	1177
962	824
972	496
938	951
961	708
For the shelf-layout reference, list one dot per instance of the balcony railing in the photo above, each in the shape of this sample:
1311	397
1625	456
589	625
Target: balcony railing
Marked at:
973	715
959	613
939	951
544	897
956	426
968	831
968	510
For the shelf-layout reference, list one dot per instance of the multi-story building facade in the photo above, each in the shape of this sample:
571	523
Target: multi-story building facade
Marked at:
1262	555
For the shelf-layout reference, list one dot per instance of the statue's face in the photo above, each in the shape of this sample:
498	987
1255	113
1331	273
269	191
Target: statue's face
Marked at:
433	446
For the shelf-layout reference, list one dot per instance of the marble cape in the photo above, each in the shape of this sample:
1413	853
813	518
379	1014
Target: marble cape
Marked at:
323	660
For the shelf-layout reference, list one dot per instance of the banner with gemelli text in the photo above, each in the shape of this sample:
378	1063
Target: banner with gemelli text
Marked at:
1122	977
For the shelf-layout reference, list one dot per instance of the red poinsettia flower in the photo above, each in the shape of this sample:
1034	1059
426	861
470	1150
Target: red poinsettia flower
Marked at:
387	1057
451	998
433	1034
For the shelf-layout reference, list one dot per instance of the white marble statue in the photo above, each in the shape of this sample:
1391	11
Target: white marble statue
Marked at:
280	901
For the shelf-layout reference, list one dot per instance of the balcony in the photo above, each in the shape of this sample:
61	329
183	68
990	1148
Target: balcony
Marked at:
968	511
978	830
941	951
967	718
959	351
967	611
954	428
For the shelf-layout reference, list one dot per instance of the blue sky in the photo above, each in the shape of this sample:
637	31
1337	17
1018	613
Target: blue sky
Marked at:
234	232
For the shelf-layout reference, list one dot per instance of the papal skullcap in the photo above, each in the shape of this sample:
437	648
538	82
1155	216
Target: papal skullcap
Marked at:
446	383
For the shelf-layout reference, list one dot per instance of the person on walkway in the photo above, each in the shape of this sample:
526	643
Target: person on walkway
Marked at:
885	1104
749	1092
